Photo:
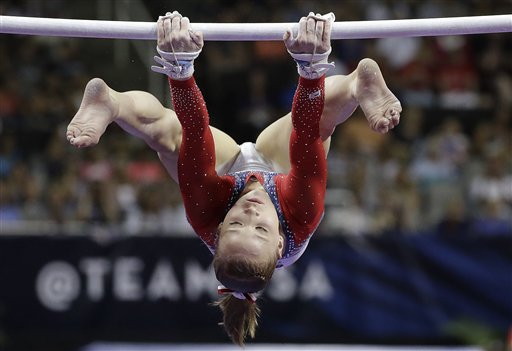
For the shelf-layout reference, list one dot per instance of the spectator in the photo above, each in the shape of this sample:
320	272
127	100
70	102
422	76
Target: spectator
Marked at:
493	186
457	76
98	205
455	221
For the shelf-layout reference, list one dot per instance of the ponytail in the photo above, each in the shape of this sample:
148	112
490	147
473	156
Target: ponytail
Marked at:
240	318
243	278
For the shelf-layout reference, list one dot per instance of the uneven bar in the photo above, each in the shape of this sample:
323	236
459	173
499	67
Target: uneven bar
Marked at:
257	31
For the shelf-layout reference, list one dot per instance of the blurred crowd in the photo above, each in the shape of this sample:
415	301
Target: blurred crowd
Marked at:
446	168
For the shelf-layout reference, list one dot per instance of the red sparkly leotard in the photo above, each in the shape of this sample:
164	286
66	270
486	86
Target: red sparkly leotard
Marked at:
297	196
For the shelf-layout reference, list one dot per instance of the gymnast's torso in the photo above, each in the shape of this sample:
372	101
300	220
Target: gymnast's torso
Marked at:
209	193
296	238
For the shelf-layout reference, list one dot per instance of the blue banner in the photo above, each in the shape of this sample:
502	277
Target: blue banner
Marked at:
392	289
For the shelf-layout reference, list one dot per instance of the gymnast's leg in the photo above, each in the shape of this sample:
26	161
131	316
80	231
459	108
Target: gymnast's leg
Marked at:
142	115
364	87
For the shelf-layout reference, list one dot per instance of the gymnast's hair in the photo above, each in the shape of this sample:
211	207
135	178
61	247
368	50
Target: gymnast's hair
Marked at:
243	275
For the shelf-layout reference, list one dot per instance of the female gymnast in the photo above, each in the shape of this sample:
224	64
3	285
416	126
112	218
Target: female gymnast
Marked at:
254	205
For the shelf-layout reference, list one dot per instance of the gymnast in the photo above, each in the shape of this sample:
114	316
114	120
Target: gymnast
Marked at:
254	205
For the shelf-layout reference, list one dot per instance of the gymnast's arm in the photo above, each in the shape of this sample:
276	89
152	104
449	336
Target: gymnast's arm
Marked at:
205	194
303	189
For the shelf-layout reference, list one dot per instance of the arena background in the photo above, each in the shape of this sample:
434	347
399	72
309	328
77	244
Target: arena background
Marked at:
414	253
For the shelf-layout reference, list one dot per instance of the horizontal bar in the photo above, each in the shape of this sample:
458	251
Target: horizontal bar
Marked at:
258	31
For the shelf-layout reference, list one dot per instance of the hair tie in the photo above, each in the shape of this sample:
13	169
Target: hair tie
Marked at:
222	290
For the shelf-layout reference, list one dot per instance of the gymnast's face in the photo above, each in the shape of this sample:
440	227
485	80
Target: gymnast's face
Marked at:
251	226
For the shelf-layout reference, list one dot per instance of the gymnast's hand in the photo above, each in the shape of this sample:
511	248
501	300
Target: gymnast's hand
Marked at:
313	36
311	47
175	34
178	46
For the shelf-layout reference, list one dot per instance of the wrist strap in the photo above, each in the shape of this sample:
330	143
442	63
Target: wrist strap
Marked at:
178	70
311	58
313	70
312	66
176	65
178	56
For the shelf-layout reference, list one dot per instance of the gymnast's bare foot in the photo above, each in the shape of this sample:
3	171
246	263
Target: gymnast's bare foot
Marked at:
380	106
96	112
